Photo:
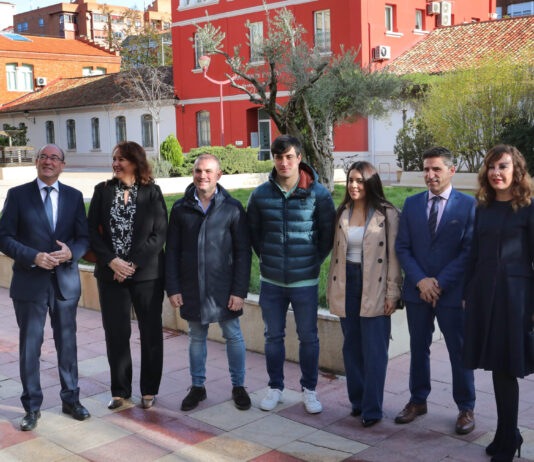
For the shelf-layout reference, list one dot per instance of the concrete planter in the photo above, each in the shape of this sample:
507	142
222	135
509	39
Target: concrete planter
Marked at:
330	336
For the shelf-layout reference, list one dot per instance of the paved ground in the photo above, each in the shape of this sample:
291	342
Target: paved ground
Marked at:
216	431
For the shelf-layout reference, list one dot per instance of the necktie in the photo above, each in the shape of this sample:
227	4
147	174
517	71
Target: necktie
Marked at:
48	206
433	216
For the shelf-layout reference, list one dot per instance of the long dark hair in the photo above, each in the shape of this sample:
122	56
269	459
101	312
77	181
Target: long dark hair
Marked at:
135	154
374	192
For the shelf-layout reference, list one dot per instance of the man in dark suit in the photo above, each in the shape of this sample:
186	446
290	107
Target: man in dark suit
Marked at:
44	229
433	243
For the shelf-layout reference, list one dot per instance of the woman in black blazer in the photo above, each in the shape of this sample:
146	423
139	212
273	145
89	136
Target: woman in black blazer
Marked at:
127	229
500	287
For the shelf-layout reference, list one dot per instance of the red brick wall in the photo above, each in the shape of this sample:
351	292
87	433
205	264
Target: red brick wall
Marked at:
51	66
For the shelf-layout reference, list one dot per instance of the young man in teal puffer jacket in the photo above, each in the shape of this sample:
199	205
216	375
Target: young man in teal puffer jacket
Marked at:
291	222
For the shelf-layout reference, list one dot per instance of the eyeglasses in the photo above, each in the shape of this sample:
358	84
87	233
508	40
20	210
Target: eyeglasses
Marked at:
53	158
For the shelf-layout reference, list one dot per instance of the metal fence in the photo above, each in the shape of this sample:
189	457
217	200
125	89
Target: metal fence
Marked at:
16	155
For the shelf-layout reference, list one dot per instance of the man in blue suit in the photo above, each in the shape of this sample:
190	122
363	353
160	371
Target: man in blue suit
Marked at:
433	243
44	230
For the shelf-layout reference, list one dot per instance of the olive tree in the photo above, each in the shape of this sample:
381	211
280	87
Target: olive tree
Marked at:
324	89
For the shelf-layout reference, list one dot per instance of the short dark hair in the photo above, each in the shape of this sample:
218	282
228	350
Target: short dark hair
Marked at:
284	143
438	151
136	154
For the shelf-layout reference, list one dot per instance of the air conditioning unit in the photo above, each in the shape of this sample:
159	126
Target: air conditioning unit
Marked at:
381	52
433	8
445	18
40	81
494	16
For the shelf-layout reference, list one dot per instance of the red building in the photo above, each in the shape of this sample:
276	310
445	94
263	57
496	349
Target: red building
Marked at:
383	29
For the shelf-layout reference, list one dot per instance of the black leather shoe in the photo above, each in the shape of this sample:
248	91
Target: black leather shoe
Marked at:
76	410
241	398
115	403
147	403
195	395
29	421
369	422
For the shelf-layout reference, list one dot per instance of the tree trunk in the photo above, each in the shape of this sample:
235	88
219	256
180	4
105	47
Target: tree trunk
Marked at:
157	139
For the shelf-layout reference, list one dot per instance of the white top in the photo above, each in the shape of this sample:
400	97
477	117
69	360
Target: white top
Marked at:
54	196
355	244
441	204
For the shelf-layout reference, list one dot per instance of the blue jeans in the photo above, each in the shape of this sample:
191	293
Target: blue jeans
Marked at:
235	351
274	302
365	349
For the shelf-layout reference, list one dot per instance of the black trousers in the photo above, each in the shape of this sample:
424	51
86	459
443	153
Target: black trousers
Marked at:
116	300
507	400
31	318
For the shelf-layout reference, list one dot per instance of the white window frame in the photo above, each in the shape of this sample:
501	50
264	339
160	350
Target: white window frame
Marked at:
19	78
71	134
50	132
322	31
95	133
390	21
147	131
255	35
120	128
419	18
199	51
203	128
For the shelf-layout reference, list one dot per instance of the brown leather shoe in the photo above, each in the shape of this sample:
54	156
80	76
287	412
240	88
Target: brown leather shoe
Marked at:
410	412
465	423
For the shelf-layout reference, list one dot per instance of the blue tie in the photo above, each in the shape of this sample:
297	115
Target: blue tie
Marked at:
433	216
48	207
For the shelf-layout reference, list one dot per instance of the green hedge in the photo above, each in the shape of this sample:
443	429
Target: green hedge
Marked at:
232	159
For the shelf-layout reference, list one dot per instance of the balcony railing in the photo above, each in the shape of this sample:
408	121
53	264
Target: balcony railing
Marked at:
16	155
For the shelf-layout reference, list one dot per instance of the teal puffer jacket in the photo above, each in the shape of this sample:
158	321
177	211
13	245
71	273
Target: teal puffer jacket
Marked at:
291	236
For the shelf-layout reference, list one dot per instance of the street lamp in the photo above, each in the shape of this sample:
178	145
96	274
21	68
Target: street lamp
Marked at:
204	62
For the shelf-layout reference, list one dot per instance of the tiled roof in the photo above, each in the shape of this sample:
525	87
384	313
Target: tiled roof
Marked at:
53	45
81	91
447	48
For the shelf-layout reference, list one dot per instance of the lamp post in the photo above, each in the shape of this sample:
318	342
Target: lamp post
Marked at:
204	62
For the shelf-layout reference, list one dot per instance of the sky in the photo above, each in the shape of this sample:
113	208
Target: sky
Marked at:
24	5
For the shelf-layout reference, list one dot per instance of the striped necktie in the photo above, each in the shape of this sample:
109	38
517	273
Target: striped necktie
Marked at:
433	216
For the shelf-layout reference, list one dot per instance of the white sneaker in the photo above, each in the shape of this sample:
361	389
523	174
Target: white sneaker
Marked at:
274	396
312	405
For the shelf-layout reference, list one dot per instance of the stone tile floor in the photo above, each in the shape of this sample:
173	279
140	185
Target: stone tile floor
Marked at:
216	430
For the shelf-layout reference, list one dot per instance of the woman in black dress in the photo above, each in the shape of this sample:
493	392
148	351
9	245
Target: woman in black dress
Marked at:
127	228
499	288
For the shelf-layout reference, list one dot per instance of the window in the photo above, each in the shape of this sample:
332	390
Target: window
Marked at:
86	71
322	31
419	20
184	3
203	128
137	23
199	51
19	78
49	130
147	135
41	22
389	18
99	71
120	128
256	42
95	132
99	17
71	134
24	26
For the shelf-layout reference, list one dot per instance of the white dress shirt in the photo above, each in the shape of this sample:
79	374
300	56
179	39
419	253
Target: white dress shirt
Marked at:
441	204
54	196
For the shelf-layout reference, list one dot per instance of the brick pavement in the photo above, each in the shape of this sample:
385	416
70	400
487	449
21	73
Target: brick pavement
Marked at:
216	431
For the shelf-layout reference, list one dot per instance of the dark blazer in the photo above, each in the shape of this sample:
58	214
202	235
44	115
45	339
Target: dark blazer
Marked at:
149	231
25	231
208	256
445	256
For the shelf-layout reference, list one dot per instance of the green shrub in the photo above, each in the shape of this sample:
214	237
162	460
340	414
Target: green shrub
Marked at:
413	138
171	150
232	159
161	168
520	133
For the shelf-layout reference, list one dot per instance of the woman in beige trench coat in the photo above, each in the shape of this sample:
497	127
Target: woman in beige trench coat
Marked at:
364	287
